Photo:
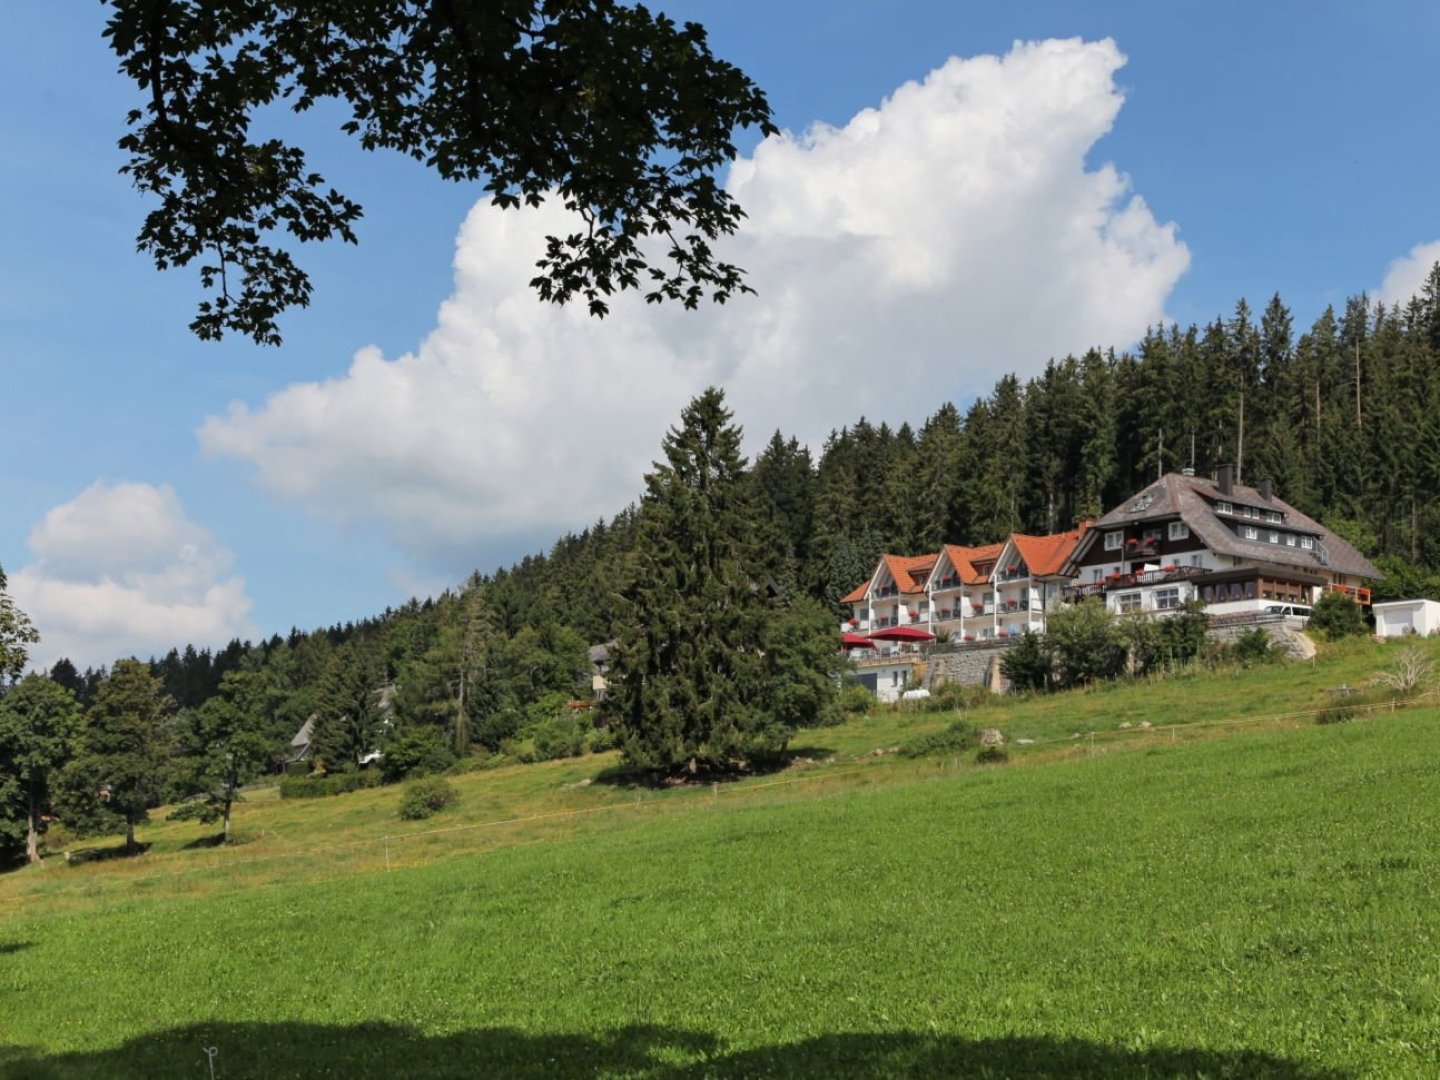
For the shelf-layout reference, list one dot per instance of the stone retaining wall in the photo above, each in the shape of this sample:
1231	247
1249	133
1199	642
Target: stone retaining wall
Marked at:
971	663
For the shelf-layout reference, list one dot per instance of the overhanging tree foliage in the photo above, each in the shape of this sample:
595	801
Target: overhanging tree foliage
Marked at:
619	112
707	672
16	634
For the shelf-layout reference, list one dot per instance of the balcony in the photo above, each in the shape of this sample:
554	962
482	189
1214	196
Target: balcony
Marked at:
1139	578
1358	593
1147	548
882	593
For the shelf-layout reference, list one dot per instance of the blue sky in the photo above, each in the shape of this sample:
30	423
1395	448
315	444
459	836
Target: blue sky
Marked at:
159	489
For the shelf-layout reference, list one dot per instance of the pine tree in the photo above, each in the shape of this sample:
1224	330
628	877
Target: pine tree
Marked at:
692	683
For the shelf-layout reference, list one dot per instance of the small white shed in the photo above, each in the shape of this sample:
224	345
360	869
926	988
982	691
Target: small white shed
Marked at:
1397	618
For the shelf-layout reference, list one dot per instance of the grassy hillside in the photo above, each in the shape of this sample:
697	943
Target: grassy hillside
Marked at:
1263	905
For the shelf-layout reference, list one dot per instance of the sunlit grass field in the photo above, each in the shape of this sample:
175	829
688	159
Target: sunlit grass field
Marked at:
1155	903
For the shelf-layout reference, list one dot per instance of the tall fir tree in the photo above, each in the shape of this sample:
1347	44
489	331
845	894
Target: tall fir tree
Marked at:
692	684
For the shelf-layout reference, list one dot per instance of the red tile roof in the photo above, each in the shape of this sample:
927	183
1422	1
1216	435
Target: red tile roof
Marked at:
965	558
1045	555
910	571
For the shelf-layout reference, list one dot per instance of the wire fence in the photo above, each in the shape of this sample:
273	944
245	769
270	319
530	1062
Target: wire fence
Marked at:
414	847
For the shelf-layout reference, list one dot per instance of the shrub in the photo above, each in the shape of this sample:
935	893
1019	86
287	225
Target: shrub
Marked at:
425	797
953	738
1336	616
560	736
951	697
599	739
1028	665
855	700
992	755
416	751
320	785
1085	643
1252	647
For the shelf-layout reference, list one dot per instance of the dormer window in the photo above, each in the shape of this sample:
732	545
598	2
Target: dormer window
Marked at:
1223	507
1142	503
1274	517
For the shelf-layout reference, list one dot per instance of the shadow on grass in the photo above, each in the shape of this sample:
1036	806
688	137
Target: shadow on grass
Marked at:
627	776
80	856
7	948
645	1052
213	841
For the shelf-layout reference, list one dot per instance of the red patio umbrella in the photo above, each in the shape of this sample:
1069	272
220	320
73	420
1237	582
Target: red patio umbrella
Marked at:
901	633
855	641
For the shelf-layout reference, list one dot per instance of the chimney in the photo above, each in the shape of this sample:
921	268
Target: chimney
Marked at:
1267	489
1225	481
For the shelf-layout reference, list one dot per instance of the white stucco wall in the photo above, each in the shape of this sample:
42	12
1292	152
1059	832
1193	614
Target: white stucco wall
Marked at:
1397	618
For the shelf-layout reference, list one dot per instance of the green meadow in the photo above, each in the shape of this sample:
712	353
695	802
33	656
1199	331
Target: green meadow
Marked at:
1204	898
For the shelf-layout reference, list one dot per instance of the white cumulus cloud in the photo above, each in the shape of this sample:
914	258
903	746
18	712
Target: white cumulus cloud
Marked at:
121	571
1406	275
948	235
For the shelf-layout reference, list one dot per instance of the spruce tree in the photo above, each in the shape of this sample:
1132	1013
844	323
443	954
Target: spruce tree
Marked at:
692	684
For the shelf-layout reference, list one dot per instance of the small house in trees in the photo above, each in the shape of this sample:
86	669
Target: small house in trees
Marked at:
300	744
1235	548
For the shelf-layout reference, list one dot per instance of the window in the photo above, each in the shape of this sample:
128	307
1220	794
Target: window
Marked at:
1142	502
1274	537
1274	517
1290	539
1223	507
1250	532
1179	530
1197	560
1308	543
1152	537
894	678
1113	541
1250	590
1129	601
1167	599
1250	512
1096	573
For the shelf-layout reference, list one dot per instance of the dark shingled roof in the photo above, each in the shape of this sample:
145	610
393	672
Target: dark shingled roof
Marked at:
1192	498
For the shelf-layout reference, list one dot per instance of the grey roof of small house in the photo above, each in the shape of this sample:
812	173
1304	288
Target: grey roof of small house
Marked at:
303	736
1191	499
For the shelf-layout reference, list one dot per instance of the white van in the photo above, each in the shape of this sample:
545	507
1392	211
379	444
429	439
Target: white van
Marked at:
1290	611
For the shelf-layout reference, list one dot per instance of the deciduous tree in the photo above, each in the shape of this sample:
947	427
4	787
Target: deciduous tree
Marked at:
39	725
121	771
